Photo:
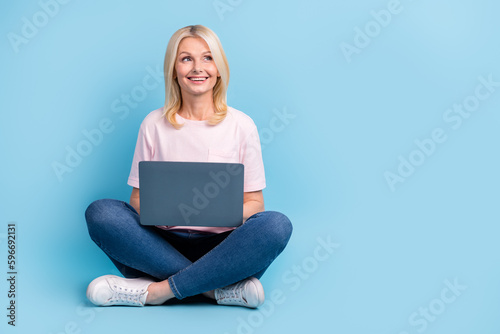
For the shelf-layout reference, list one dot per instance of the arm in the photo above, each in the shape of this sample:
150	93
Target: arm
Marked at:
134	200
253	202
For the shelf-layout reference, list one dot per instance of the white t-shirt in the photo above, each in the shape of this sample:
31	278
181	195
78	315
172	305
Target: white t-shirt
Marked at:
235	139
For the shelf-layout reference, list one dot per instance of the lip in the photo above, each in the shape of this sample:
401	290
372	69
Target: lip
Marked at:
198	82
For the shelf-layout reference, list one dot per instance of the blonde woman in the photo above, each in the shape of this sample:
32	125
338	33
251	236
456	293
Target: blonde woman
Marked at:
164	262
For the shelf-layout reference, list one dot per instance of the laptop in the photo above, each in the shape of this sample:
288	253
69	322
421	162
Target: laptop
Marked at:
191	193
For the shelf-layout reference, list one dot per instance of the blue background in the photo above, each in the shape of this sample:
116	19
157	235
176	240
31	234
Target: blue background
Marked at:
354	116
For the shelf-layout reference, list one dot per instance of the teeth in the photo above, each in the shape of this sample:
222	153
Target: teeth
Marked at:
197	79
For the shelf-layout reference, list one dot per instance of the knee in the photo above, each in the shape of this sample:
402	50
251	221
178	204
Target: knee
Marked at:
100	211
95	209
278	226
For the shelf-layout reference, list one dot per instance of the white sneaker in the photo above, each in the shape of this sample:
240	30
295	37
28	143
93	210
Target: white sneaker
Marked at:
111	290
248	293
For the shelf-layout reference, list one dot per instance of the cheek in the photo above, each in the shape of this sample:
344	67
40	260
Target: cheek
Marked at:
213	69
216	73
181	69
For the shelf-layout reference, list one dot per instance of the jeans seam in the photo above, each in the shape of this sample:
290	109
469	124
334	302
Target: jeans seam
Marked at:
173	287
128	206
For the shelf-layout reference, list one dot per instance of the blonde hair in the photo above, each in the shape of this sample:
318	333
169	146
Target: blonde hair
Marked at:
173	97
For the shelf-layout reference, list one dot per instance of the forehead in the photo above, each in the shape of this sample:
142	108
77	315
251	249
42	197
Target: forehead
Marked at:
193	44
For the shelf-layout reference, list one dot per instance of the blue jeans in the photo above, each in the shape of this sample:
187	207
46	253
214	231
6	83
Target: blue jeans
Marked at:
193	263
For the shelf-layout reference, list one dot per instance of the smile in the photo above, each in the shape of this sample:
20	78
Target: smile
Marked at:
198	79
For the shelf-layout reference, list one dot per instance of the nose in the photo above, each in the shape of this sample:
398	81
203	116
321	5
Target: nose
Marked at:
197	67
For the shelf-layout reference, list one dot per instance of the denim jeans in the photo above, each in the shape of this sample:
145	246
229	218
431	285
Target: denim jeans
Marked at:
193	263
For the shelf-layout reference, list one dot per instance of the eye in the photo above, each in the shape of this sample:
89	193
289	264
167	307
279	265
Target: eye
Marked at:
209	58
185	58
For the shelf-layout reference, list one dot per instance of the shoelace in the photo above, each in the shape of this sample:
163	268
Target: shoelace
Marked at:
233	294
129	296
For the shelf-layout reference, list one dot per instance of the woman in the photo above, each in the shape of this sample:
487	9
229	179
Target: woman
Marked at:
164	262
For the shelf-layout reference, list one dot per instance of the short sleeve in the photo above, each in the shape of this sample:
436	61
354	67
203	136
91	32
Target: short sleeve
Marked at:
143	152
251	157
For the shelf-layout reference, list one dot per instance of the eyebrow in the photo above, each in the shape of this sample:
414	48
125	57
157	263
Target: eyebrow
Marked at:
204	52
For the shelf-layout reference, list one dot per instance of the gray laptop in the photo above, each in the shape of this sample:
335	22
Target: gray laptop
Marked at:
191	193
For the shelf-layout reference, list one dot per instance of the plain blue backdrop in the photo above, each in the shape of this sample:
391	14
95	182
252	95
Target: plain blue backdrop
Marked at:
411	224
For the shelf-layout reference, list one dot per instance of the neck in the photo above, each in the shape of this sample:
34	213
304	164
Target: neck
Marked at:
197	108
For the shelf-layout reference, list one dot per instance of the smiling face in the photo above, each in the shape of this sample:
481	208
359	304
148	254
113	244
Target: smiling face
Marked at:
195	68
